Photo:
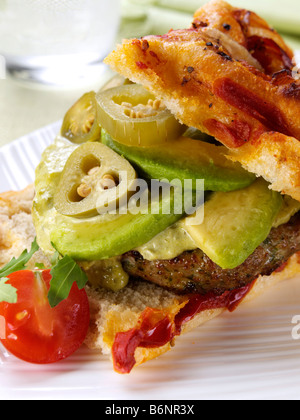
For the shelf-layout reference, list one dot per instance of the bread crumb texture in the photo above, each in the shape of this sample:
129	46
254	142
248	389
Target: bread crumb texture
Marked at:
16	227
117	312
276	158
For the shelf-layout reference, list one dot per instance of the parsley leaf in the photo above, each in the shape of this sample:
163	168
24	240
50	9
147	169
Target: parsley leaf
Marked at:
8	293
64	274
65	271
55	258
19	264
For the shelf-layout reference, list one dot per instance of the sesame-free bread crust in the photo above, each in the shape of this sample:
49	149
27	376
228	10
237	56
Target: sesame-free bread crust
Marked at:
16	227
231	76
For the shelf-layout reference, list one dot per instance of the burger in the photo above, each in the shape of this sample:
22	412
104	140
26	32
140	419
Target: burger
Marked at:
176	187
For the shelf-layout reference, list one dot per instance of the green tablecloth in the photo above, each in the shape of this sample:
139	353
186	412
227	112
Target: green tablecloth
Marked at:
23	109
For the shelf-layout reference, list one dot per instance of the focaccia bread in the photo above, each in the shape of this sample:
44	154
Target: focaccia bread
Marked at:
231	76
16	227
125	311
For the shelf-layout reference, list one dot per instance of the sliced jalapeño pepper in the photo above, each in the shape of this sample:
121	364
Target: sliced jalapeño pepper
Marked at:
114	82
133	116
95	181
80	123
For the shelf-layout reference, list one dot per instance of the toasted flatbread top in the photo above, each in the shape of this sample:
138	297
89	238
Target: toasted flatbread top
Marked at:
231	76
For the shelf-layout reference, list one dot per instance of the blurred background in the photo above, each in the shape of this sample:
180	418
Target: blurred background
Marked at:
74	36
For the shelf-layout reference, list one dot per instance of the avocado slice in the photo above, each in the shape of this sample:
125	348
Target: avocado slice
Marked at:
184	159
108	236
236	223
105	235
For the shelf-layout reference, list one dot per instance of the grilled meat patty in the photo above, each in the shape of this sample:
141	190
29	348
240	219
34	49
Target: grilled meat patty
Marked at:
194	272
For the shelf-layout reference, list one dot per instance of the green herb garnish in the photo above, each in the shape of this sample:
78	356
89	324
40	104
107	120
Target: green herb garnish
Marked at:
8	293
64	274
65	271
19	264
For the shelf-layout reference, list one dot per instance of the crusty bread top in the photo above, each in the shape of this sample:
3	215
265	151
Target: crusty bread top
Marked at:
205	77
244	24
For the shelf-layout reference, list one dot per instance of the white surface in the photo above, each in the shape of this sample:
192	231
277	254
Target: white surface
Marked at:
249	354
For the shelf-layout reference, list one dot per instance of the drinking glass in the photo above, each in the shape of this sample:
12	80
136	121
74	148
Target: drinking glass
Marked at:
56	42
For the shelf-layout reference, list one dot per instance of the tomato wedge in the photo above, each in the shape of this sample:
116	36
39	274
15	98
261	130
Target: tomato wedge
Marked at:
37	333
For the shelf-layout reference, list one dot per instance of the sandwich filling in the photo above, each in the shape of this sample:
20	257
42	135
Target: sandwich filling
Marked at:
95	199
172	258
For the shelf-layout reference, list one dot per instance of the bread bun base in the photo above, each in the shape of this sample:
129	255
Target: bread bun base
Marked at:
114	312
